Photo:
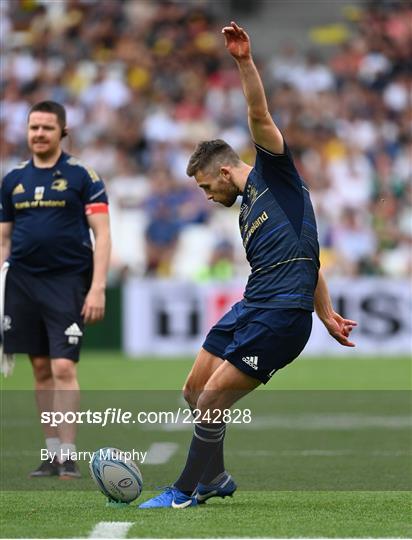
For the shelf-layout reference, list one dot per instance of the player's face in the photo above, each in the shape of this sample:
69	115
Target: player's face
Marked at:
43	133
218	189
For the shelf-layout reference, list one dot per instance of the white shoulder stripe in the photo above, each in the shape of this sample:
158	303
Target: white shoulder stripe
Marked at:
20	165
97	194
267	151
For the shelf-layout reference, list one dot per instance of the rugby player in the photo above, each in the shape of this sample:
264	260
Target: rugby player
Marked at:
56	280
270	327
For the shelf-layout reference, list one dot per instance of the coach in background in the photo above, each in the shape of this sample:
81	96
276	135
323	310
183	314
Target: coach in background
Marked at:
55	281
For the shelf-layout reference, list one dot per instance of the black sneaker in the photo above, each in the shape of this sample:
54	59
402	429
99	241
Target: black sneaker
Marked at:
69	470
46	469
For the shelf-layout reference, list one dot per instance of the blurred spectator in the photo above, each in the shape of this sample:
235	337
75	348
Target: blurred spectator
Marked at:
163	225
169	207
354	241
351	182
101	155
127	190
220	266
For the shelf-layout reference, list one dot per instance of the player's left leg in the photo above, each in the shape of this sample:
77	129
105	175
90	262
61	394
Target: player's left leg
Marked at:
227	385
214	474
209	359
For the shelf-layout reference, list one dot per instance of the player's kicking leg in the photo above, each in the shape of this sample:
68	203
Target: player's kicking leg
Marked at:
226	386
215	481
203	368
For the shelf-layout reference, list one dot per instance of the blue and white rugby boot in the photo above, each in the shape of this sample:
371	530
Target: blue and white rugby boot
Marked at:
171	497
223	487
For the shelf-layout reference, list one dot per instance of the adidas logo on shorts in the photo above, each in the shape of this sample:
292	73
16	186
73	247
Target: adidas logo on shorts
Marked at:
251	361
73	332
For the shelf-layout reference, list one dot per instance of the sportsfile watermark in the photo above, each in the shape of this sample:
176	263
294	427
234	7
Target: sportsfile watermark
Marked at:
275	440
113	415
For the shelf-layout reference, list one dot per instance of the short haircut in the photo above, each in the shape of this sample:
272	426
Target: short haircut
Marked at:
210	155
54	108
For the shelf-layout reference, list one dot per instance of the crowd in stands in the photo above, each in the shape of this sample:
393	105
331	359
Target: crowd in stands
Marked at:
143	81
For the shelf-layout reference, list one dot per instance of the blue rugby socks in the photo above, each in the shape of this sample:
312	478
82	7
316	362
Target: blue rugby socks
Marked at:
206	442
216	465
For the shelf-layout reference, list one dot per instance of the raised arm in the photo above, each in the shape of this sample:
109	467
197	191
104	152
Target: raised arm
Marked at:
337	326
262	127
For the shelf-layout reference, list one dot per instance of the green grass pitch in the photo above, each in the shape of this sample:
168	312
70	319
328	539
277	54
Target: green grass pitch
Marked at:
294	481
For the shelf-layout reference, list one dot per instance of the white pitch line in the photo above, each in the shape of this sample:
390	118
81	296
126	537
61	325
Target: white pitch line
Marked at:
159	453
111	529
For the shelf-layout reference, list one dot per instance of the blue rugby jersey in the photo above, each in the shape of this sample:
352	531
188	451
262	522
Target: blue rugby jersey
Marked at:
47	207
278	229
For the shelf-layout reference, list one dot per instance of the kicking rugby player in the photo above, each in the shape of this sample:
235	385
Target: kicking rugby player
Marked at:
55	281
270	327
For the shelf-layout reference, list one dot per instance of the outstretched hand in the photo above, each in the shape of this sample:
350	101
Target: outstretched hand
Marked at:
237	41
340	328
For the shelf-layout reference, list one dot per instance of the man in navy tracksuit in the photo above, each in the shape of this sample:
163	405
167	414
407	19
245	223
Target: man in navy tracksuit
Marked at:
56	280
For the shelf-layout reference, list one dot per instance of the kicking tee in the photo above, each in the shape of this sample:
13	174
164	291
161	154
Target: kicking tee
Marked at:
279	234
48	208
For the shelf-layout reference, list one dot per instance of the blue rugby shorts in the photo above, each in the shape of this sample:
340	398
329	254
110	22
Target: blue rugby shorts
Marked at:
259	341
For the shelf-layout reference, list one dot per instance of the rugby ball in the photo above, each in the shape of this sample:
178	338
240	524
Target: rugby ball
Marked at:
116	475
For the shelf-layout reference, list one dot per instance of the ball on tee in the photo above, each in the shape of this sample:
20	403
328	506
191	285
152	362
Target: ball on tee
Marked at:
117	476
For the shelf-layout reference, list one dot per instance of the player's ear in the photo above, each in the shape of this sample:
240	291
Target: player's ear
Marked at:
64	132
225	172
